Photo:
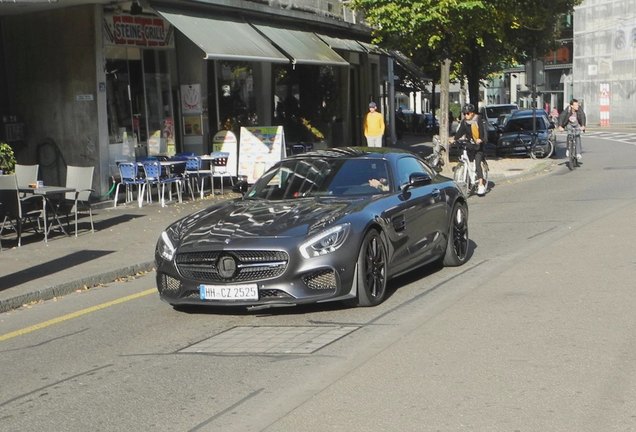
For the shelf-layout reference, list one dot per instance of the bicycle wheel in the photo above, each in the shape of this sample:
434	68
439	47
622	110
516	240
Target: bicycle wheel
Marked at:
572	162
461	177
484	170
542	151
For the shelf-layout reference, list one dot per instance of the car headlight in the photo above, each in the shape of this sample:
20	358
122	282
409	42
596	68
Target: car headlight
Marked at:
165	247
325	242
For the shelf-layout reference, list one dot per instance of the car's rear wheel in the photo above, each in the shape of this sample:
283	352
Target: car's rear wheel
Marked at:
372	270
457	246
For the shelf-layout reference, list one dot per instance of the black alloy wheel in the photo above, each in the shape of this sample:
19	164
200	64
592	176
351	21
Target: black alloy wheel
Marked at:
457	246
372	270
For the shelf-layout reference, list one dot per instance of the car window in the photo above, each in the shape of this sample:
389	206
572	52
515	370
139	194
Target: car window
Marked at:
312	176
408	165
495	113
524	124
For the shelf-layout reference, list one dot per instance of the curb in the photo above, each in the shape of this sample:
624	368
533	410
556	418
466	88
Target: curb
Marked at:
74	285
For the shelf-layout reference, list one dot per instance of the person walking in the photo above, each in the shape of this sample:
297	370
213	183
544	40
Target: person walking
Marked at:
373	126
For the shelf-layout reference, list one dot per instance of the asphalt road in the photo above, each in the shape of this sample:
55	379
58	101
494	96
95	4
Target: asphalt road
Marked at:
534	333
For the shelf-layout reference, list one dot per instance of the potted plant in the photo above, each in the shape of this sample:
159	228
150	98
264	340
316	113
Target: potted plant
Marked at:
7	159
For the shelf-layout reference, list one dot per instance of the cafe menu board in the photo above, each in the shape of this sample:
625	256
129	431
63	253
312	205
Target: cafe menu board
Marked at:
260	147
225	141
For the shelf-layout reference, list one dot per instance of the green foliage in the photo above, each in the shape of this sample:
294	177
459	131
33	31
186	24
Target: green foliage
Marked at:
479	36
7	158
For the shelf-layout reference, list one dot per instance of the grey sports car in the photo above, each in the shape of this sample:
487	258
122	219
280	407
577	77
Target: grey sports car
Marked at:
330	225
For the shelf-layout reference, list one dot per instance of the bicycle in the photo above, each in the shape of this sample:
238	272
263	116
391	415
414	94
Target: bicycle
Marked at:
436	159
570	146
465	174
534	150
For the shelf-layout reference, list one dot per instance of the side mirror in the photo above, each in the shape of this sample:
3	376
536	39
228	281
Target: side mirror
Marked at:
241	186
417	179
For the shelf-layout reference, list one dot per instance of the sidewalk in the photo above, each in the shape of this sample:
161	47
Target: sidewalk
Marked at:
124	241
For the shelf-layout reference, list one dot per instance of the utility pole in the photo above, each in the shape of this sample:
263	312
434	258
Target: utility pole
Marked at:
535	77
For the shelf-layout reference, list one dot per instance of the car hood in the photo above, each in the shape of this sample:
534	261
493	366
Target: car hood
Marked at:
260	218
524	135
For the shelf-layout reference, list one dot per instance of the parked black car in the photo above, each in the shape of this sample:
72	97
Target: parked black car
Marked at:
494	116
329	225
517	135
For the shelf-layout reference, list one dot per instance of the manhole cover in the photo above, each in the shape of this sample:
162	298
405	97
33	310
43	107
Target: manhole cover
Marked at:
271	340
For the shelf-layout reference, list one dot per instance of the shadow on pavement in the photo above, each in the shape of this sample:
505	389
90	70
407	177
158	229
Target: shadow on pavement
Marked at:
47	268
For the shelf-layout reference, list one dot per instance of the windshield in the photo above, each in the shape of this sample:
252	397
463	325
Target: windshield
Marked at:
496	112
523	124
312	176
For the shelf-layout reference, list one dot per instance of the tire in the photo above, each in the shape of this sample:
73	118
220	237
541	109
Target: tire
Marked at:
371	268
457	246
460	176
484	170
540	153
572	162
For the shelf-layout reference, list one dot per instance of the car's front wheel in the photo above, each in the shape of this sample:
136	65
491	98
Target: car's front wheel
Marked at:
372	272
457	246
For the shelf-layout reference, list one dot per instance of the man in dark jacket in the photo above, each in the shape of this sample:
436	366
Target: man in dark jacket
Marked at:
574	117
473	128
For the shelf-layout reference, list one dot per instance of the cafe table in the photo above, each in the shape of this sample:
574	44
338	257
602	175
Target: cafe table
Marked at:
46	192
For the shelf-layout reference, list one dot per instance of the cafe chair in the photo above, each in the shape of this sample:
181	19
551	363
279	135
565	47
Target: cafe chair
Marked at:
129	178
14	210
80	179
26	175
154	176
195	175
219	168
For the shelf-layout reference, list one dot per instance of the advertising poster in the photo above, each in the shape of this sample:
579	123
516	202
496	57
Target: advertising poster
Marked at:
260	147
191	99
225	141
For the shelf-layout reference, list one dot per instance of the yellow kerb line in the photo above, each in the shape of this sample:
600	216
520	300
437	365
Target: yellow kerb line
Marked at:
77	314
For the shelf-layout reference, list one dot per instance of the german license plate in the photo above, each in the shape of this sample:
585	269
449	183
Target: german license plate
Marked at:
228	292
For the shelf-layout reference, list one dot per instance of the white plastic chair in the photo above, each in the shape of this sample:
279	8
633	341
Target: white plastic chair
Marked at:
219	168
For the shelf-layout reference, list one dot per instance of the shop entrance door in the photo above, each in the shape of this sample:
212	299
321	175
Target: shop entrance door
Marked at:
139	101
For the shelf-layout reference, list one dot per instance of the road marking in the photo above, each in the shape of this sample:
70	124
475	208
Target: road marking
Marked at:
73	315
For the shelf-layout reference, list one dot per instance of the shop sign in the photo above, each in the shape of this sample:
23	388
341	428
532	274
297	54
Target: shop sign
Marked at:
138	31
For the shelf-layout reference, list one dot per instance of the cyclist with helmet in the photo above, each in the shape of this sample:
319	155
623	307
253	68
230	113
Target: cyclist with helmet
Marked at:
472	128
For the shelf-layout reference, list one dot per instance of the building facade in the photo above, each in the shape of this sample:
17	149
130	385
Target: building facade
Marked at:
605	61
97	82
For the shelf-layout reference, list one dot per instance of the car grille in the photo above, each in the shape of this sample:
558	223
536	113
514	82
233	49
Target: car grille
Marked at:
322	280
251	265
169	286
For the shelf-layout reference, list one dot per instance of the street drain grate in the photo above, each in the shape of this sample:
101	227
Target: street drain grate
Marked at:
271	340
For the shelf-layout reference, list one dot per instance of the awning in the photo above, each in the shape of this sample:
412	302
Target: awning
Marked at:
225	40
342	44
411	68
302	47
373	49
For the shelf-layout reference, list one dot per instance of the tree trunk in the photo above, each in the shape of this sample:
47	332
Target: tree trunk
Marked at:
443	111
473	69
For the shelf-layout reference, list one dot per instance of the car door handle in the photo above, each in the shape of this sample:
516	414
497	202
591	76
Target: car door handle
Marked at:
436	193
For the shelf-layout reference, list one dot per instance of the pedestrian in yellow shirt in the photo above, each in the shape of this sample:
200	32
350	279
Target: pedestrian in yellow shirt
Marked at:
374	126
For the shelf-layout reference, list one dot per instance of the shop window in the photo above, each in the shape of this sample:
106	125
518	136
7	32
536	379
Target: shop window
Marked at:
306	101
237	99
